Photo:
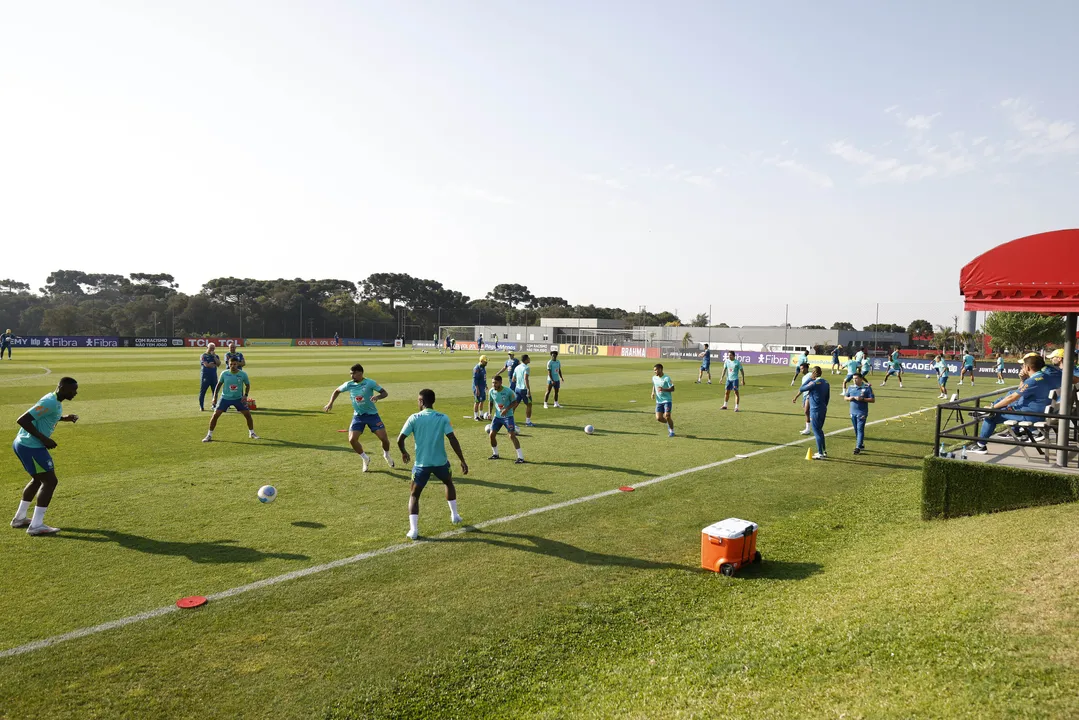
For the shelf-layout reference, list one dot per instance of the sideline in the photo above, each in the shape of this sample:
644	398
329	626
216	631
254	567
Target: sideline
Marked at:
399	547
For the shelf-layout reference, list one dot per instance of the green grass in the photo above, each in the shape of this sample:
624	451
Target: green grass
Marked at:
597	609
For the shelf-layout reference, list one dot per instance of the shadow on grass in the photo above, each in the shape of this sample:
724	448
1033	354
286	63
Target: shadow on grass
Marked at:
591	466
580	428
299	446
739	441
272	411
779	570
468	480
554	548
308	524
596	408
209	552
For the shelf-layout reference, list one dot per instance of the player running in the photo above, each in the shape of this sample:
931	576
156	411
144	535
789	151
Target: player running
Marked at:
819	393
731	368
802	359
233	386
428	429
836	367
521	375
859	395
867	365
32	446
662	387
1000	370
364	393
554	378
503	401
943	372
7	339
895	367
968	368
706	365
854	367
233	354
479	387
210	362
509	367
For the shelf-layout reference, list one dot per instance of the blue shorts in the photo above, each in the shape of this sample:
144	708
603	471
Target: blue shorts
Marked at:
420	475
368	420
504	422
523	396
850	376
968	368
706	368
223	405
663	407
480	393
34	460
556	384
732	384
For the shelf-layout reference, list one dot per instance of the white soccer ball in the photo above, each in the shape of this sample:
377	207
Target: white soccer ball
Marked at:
267	493
487	416
588	429
487	429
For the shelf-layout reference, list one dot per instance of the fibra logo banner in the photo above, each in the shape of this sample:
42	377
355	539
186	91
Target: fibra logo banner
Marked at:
66	341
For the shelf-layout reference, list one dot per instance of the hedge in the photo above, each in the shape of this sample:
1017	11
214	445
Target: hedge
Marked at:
953	488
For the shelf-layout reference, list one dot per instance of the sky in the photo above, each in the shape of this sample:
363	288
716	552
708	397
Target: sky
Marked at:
814	162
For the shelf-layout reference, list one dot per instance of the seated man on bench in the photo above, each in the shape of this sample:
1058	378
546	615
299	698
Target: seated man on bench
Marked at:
1032	396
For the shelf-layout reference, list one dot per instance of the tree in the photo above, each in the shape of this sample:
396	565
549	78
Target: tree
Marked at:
12	287
942	337
843	326
1024	331
665	318
687	339
547	302
723	325
920	328
884	327
700	320
814	327
511	294
388	287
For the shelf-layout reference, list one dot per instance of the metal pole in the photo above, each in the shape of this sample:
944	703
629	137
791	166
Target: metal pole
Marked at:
786	322
709	326
1066	406
876	329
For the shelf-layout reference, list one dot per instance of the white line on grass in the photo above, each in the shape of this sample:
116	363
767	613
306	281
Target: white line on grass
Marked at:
28	377
315	569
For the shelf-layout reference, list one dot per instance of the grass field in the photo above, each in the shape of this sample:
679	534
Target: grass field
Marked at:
593	609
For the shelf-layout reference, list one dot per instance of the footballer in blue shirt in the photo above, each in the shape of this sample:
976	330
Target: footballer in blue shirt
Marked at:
209	362
479	387
364	393
503	402
554	378
819	393
968	368
859	395
895	367
731	368
1031	396
706	365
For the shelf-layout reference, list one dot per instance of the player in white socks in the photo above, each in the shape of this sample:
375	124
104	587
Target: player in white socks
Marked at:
503	401
364	392
429	428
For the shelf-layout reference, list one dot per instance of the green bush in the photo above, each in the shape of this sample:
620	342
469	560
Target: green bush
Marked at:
953	488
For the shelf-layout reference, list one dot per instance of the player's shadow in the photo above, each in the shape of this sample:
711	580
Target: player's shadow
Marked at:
596	408
208	552
778	570
736	441
308	524
272	411
301	446
468	480
554	548
591	466
578	428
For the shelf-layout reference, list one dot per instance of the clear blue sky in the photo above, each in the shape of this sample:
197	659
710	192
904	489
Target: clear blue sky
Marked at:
675	155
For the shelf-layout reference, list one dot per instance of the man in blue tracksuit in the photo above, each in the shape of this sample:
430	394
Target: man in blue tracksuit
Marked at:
209	361
859	395
818	391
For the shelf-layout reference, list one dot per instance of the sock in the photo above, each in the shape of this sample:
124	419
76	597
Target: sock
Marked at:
20	514
365	457
453	509
39	517
520	453
209	433
386	454
414	523
494	451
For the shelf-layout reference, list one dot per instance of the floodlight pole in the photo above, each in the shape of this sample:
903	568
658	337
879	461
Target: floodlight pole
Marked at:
786	322
876	329
1066	405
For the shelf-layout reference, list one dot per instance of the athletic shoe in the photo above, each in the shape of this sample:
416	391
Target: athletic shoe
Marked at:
253	436
900	384
391	463
208	438
977	449
709	382
456	520
736	408
544	406
670	433
819	456
20	524
807	431
529	423
557	405
41	530
519	461
857	451
477	419
696	382
366	463
412	534
724	406
494	457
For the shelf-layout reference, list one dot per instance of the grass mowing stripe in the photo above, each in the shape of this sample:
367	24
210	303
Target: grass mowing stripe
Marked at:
390	549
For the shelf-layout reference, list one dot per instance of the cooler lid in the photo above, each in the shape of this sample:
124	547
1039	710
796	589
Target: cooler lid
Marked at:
730	528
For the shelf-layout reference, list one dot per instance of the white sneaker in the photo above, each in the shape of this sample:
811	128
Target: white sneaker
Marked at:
21	524
544	406
736	408
456	520
412	534
819	456
390	461
208	438
900	384
252	435
366	463
557	405
42	530
807	431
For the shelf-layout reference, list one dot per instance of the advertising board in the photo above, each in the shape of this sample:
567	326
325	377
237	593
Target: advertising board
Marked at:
219	342
268	342
65	341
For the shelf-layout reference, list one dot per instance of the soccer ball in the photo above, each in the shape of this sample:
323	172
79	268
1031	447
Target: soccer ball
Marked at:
267	493
487	416
588	429
487	429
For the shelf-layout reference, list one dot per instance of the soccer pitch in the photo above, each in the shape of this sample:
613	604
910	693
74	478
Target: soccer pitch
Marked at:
564	597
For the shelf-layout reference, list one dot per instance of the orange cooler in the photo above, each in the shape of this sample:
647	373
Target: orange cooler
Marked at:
728	545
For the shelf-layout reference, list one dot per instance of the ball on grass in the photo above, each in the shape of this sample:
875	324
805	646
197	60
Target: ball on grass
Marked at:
267	493
487	428
588	429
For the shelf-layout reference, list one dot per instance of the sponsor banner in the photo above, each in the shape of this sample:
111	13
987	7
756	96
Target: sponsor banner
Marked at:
151	342
268	342
582	349
466	345
637	352
368	342
399	343
65	341
502	346
219	342
424	344
537	347
315	342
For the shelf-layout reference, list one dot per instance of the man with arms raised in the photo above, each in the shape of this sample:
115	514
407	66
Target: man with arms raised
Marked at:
430	429
364	392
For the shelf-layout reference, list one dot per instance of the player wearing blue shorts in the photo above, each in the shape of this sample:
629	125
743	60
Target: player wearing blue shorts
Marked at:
503	402
7	339
895	367
968	368
731	368
819	392
662	387
521	374
943	372
706	365
1000	369
479	387
854	366
32	446
509	367
798	363
428	429
836	367
364	393
233	387
859	395
209	361
554	378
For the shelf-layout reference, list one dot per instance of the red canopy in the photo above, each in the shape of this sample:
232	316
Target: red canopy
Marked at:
1037	273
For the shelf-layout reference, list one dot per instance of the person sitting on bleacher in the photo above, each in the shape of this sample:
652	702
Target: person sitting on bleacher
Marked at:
1055	370
1032	396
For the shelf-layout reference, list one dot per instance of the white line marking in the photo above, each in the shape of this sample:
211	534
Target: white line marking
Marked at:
29	377
315	569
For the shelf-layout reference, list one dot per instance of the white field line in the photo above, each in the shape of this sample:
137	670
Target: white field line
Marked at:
28	377
399	547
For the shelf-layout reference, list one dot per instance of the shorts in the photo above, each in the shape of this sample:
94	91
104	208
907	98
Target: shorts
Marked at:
239	403
367	420
556	384
480	393
850	376
732	384
504	422
420	475
943	382
34	460
523	396
663	407
706	368
968	368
